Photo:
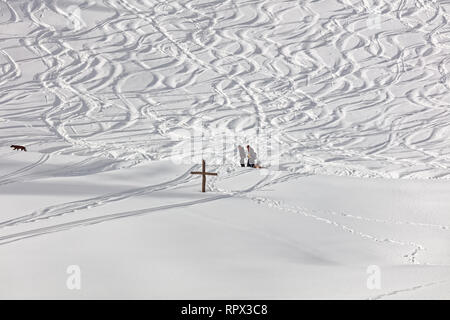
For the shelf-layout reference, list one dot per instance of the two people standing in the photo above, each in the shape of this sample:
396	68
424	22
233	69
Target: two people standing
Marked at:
250	155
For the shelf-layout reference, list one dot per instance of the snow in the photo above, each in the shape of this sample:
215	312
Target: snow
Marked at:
345	102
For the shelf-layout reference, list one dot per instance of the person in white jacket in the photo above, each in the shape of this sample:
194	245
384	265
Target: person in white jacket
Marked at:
251	157
242	155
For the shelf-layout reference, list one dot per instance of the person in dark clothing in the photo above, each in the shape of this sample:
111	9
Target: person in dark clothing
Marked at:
251	157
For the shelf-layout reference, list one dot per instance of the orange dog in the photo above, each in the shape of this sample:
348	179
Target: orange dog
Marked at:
16	147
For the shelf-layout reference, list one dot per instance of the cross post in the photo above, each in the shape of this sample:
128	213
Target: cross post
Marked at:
204	174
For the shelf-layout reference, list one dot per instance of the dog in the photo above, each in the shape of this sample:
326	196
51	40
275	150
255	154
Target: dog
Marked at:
16	147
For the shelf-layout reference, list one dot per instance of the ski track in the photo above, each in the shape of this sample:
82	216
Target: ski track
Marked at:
272	69
321	216
410	289
71	207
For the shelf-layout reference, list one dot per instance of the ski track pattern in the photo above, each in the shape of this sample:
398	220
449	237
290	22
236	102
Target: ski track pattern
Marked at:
340	95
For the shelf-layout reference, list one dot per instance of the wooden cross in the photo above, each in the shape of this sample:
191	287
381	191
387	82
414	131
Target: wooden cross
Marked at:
204	174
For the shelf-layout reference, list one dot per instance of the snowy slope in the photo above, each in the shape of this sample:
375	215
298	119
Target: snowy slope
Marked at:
346	103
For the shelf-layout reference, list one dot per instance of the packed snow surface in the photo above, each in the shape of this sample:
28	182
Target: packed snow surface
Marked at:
346	103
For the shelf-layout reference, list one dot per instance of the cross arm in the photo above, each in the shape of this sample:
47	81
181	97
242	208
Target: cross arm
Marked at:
205	173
